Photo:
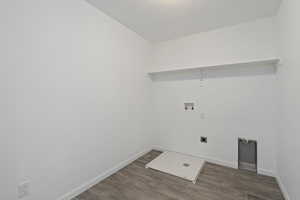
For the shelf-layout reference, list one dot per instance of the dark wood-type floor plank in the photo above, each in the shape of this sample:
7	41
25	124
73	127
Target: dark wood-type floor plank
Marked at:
215	182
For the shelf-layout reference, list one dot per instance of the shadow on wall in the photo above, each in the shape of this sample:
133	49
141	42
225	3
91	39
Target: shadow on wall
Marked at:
215	72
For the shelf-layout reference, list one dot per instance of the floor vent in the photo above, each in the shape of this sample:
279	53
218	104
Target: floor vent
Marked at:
247	154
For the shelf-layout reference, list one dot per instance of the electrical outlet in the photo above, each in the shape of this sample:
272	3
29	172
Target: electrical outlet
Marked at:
189	106
23	189
203	139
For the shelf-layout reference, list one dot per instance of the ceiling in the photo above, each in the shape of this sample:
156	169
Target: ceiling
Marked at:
160	20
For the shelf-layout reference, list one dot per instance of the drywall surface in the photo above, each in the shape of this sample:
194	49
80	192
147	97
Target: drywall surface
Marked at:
7	102
229	103
7	129
248	41
161	20
288	160
82	96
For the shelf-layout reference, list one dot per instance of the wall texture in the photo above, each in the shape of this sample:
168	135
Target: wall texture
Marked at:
75	88
230	103
247	41
8	66
82	95
288	161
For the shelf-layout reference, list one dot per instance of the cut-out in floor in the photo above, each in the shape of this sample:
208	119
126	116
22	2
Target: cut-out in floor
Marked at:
181	165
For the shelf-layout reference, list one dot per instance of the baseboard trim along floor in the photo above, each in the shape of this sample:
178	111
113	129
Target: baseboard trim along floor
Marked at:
78	190
223	162
135	181
283	188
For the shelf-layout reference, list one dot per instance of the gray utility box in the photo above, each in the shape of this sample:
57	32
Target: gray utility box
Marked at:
247	154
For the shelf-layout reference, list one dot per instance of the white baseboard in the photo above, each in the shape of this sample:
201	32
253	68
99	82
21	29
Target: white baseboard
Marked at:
283	188
266	172
224	163
221	162
75	192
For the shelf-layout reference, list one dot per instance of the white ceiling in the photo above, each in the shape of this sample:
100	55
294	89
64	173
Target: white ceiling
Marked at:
159	20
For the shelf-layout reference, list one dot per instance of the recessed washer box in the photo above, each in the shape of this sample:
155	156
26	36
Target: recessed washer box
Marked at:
178	164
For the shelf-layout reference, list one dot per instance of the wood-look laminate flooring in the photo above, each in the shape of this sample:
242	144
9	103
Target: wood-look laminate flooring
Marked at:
215	182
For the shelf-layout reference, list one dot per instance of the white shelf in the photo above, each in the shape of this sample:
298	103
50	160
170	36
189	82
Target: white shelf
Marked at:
271	61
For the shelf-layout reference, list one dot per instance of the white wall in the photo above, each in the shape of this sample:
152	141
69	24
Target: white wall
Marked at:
288	160
248	41
84	102
7	101
7	130
236	102
82	97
